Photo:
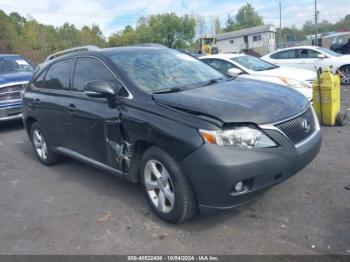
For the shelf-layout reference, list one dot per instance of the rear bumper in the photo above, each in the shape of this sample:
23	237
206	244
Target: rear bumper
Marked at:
215	170
11	110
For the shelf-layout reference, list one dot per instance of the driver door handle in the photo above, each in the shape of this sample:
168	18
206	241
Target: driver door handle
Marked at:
72	108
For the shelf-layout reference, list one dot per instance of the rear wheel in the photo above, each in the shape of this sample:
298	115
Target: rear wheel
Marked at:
345	75
166	187
42	147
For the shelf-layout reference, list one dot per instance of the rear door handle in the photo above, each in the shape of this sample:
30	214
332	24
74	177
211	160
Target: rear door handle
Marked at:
72	108
37	101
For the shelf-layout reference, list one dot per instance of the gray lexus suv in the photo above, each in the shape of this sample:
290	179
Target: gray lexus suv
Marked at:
194	138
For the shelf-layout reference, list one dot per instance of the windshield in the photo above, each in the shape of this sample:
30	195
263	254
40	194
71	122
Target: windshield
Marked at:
253	63
160	69
328	51
14	64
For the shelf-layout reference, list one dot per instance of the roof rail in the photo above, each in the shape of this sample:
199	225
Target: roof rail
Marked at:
72	50
150	44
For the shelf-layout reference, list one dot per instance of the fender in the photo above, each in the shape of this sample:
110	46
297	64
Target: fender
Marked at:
144	127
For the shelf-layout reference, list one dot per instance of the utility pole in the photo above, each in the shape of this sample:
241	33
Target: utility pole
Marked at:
280	34
316	25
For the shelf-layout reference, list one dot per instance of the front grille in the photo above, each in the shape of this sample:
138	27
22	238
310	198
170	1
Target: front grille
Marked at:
300	127
14	88
10	96
11	92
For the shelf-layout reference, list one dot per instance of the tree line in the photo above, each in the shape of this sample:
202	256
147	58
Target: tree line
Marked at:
34	40
294	34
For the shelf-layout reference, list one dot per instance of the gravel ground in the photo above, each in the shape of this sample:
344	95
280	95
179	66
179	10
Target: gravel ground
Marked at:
72	208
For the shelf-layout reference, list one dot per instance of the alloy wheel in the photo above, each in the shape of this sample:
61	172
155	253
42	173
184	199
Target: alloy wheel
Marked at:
159	186
345	76
39	144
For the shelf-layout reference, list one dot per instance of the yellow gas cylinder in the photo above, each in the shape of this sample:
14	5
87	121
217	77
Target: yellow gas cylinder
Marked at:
326	97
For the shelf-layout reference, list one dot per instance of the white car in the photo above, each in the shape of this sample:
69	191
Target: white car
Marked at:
251	67
311	57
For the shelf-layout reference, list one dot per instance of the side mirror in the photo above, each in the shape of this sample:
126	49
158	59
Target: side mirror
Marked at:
104	89
234	71
101	89
321	56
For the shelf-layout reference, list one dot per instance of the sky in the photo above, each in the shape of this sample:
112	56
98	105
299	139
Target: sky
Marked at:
113	15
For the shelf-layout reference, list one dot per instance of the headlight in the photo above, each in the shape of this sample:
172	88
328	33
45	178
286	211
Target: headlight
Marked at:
295	83
244	137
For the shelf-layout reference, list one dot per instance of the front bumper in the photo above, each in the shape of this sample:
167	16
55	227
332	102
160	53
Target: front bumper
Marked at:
214	170
11	110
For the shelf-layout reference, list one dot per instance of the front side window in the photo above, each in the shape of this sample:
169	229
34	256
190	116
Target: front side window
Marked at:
220	65
308	53
10	64
253	63
89	69
153	70
57	76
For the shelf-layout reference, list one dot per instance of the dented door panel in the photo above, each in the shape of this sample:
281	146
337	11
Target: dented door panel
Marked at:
94	130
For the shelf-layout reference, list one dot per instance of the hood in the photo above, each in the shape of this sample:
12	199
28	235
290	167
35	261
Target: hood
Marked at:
342	59
290	72
239	100
15	77
306	91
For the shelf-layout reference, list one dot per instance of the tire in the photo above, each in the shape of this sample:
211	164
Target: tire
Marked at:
47	156
342	119
163	179
345	75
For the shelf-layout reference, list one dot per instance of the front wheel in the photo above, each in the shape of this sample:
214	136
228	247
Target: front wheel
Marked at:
166	187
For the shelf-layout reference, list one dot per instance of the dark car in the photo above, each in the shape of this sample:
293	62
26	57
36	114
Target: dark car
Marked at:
341	48
194	138
15	73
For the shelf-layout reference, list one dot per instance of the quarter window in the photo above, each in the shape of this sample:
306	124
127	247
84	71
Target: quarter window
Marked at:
40	81
90	69
57	77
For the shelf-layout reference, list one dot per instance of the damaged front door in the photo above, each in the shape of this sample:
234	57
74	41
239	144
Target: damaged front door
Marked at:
94	128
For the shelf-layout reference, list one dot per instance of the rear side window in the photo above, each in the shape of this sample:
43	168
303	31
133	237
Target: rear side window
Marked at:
57	77
290	54
89	69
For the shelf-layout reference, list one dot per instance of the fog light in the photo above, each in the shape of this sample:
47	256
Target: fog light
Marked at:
239	186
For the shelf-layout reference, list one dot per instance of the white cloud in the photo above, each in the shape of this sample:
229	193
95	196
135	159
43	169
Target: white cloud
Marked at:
55	12
112	15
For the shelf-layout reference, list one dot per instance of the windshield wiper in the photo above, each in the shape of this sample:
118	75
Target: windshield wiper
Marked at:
231	77
269	68
212	81
167	90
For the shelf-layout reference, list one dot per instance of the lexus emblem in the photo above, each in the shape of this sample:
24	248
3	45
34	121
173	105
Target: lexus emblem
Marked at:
305	125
